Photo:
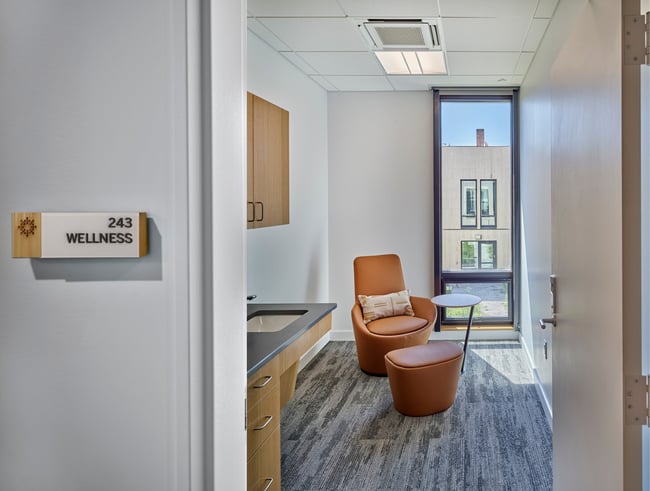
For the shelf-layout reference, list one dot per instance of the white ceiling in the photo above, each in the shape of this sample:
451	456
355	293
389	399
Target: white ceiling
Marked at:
486	42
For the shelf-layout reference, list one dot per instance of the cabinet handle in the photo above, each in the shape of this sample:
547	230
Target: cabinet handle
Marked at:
266	423
265	383
268	486
261	211
251	206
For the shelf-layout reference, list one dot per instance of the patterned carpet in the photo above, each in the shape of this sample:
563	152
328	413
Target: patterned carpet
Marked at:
342	432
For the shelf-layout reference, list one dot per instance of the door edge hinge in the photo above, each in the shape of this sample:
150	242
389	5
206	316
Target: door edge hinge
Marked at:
635	39
636	400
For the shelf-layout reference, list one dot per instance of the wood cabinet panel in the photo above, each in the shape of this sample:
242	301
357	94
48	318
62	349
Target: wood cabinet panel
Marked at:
250	198
262	382
264	470
262	419
268	163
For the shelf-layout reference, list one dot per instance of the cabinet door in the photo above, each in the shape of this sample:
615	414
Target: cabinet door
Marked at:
250	199
270	175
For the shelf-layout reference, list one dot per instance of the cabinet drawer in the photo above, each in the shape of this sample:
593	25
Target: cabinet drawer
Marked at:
262	419
263	381
264	469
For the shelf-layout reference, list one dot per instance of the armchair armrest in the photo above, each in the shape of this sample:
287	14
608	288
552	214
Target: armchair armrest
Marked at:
424	308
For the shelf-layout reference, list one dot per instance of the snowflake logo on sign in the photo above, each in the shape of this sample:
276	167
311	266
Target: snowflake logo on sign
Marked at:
27	227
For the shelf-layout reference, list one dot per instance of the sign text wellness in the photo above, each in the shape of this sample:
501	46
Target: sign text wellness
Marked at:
58	235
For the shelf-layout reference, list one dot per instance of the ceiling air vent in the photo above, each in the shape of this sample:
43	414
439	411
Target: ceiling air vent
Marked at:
386	34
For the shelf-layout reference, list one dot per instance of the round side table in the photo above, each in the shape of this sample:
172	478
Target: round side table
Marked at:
459	300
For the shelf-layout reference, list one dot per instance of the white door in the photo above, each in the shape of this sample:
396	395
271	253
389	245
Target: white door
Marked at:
586	181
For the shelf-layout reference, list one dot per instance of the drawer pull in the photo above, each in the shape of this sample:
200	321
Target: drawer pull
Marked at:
265	383
266	423
269	480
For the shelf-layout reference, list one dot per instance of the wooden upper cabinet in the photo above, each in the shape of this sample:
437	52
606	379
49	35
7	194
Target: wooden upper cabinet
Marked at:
268	163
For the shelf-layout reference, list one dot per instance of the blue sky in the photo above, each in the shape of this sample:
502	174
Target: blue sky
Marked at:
461	119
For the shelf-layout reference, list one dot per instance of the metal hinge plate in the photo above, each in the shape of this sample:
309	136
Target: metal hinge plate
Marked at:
635	39
636	400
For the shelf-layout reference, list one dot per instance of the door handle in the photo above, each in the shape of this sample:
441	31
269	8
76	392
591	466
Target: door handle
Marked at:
548	320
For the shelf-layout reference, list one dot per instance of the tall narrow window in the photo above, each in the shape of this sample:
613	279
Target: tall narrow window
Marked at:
469	254
476	212
488	254
488	203
468	203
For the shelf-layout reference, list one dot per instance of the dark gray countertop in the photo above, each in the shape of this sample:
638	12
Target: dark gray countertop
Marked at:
262	346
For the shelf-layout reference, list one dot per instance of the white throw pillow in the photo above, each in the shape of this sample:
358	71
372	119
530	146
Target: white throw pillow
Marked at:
378	306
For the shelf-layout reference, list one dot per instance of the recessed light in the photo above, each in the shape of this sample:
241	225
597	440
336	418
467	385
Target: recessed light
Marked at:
412	62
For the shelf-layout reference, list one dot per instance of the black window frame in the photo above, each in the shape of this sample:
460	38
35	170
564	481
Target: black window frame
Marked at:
481	262
512	278
460	278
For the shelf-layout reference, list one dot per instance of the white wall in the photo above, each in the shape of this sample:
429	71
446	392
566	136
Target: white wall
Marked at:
95	354
380	189
535	167
92	358
288	263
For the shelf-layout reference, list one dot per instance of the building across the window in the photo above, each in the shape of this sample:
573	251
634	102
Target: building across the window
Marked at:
478	254
476	217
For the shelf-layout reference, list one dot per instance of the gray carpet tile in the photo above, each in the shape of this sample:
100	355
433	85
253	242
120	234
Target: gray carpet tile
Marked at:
342	432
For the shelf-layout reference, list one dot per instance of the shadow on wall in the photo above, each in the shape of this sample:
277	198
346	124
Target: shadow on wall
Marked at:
147	268
313	277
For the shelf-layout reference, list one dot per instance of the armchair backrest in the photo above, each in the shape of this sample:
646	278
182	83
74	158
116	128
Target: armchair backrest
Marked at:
377	275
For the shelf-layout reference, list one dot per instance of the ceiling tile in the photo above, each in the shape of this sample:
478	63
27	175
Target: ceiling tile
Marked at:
535	34
343	63
523	63
416	82
492	8
413	9
294	8
487	42
546	8
471	63
503	34
299	63
323	34
371	83
265	35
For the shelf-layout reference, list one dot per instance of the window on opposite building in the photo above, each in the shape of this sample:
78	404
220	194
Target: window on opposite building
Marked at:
478	254
468	203
488	203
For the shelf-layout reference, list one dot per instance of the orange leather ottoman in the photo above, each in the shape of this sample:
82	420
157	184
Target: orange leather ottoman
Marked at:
423	379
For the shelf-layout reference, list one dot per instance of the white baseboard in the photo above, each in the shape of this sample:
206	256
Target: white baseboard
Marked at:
476	335
341	335
548	410
313	351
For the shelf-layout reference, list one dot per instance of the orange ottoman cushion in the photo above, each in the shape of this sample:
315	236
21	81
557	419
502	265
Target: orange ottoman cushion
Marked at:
423	379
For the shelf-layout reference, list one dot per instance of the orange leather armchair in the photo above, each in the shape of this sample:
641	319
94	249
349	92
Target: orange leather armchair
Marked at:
380	275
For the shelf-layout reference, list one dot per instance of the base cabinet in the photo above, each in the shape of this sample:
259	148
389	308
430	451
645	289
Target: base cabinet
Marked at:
264	470
268	390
